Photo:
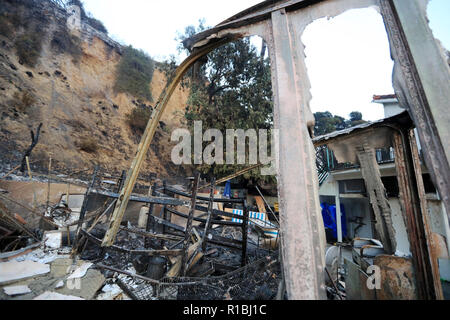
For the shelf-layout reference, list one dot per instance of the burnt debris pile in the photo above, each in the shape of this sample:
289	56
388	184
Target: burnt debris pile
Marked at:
173	242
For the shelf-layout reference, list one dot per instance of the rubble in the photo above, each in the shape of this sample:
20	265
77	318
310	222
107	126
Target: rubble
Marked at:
56	296
14	270
153	259
215	253
16	290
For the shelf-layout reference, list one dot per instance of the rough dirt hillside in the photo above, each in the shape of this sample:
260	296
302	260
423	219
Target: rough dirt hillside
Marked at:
75	101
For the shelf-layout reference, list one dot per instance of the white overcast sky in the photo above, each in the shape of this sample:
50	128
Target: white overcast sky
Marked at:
348	56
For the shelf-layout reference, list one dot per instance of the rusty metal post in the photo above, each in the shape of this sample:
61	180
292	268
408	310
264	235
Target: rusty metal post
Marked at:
187	235
302	231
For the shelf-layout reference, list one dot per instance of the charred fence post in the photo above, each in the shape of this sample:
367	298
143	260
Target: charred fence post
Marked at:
121	181
84	209
165	214
120	184
150	220
187	235
244	232
208	220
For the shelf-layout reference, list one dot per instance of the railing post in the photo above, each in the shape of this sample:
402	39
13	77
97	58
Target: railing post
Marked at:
165	214
150	221
210	208
244	232
188	232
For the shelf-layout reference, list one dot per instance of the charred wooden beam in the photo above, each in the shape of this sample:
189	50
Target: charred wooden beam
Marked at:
165	214
150	200
84	209
208	220
150	215
187	236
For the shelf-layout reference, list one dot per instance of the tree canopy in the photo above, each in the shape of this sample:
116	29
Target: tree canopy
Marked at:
326	122
233	90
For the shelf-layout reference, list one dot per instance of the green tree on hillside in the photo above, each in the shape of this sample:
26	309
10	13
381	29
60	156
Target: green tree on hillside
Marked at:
231	90
326	122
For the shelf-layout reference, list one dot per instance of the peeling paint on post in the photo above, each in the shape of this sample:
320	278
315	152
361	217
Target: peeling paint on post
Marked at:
303	252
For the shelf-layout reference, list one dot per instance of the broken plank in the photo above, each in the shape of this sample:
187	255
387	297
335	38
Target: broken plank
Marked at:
260	203
187	236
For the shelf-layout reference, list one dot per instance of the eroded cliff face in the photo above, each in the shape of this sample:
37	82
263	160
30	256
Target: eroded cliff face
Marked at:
75	100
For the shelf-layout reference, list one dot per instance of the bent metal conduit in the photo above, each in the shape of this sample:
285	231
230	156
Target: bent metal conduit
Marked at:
147	138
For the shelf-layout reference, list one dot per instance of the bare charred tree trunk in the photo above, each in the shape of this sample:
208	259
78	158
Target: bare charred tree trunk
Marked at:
34	141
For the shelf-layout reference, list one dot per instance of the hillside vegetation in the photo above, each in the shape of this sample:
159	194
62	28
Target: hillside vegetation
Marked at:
89	92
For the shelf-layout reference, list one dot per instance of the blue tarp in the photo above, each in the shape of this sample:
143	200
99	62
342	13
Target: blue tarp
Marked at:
329	219
227	190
